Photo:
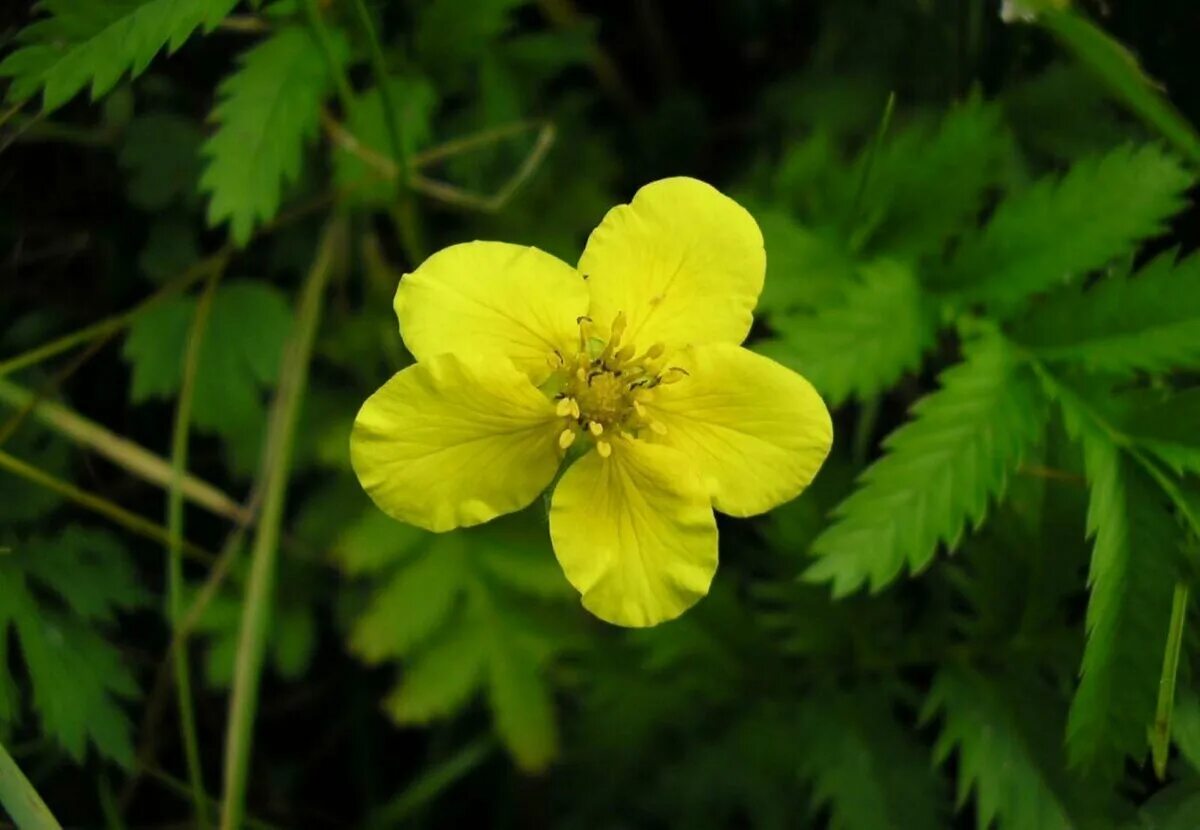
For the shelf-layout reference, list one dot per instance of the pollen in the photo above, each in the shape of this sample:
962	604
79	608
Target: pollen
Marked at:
603	390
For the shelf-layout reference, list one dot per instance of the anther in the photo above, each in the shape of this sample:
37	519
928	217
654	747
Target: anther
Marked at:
658	427
604	448
618	327
566	407
673	375
624	354
595	428
639	409
566	438
655	351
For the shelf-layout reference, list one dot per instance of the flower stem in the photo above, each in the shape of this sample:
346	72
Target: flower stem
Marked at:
256	610
179	454
98	504
21	800
1160	735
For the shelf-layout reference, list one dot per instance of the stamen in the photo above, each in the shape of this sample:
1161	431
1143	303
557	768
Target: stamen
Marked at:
655	351
618	328
565	407
566	438
658	427
595	428
624	354
673	375
604	448
639	408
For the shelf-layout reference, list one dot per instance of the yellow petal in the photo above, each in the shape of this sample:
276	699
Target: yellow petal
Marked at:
634	533
684	262
755	431
492	299
450	443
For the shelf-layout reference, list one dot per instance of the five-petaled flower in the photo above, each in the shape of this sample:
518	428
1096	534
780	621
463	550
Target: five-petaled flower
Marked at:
633	358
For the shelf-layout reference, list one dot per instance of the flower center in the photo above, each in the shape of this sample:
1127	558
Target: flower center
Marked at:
601	388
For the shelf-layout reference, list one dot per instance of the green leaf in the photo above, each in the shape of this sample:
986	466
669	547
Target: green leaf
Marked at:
938	475
239	359
1175	808
872	774
805	268
269	109
862	344
161	154
465	612
171	246
1007	737
1119	70
79	679
1149	322
1185	725
413	604
93	42
1165	424
520	700
931	178
1131	579
415	100
442	678
293	636
1060	229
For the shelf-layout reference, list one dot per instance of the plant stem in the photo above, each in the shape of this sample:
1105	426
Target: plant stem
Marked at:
20	799
131	457
432	783
179	454
405	215
256	610
1160	735
116	322
325	44
99	505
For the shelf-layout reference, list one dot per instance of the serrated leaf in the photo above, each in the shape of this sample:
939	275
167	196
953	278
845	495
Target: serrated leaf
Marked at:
79	680
442	678
1165	424
86	42
161	154
375	542
414	604
415	100
861	345
938	475
520	701
1148	322
931	179
1131	580
806	268
1006	736
1059	229
269	109
865	767
239	358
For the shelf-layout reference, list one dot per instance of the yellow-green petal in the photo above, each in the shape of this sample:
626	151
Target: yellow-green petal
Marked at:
492	299
683	261
451	443
634	533
756	432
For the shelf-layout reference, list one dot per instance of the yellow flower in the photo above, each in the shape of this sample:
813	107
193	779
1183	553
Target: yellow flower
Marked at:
634	357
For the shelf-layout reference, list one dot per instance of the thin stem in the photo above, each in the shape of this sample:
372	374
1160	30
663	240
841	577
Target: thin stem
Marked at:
99	505
256	610
1160	735
869	163
325	44
175	518
564	15
131	457
433	783
114	323
407	219
20	799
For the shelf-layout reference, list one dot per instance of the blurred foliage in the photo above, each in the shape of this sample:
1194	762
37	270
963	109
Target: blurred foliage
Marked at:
978	219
